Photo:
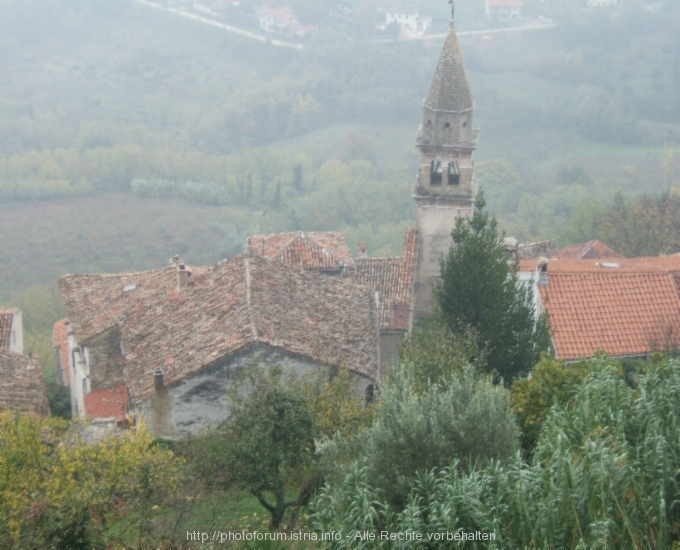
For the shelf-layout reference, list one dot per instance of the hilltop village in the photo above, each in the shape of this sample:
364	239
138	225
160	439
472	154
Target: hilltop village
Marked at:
163	345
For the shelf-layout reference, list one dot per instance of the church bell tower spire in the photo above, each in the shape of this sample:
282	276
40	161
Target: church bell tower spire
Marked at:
445	187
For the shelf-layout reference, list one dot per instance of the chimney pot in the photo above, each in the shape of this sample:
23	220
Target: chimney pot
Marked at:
542	271
158	380
362	250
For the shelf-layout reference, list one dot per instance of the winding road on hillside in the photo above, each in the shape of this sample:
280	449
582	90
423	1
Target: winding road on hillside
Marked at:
291	45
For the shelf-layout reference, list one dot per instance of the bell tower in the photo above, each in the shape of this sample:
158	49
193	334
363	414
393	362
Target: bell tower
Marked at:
445	188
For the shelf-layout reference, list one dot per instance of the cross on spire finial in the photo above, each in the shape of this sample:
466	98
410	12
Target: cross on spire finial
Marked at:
452	8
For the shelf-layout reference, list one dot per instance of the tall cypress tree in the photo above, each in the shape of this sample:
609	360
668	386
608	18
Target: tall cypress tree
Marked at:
479	290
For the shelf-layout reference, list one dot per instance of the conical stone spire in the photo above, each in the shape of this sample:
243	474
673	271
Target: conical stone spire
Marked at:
449	90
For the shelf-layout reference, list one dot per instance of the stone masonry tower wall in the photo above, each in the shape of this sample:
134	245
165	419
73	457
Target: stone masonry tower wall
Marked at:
445	187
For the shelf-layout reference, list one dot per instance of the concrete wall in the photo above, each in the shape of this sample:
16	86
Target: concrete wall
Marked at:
201	400
435	222
389	350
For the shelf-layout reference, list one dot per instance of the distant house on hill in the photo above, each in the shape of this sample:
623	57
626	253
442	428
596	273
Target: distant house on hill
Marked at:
22	388
164	345
602	3
409	21
504	10
627	307
282	20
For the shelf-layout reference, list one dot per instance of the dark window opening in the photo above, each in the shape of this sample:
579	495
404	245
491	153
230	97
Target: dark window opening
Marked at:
464	124
446	125
436	173
429	124
454	173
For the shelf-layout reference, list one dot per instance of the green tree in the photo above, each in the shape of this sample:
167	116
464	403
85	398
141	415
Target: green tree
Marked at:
267	444
433	353
478	291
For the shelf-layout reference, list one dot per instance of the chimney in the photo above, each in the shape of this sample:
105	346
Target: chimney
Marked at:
183	275
511	250
542	271
158	380
362	250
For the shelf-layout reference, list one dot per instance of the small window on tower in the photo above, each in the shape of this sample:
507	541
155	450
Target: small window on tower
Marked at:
447	126
454	173
436	172
429	124
465	124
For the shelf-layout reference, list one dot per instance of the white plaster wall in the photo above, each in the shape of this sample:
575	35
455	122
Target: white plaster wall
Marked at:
79	372
16	339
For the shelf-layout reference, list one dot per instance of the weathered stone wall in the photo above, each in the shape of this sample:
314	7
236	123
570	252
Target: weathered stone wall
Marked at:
201	400
105	360
389	350
435	222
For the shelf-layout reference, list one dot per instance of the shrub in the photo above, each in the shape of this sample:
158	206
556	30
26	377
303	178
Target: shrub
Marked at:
604	475
467	418
56	492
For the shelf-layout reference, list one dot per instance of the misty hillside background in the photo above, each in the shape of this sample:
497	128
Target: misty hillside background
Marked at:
130	134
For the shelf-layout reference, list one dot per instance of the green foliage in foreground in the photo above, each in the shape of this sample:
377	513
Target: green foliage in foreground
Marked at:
604	475
267	443
267	446
461	417
552	382
58	492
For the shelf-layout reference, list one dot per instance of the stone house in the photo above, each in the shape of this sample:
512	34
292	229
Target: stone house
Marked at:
164	345
392	279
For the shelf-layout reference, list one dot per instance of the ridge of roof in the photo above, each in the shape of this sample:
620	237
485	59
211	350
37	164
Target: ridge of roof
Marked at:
606	265
307	250
589	250
449	90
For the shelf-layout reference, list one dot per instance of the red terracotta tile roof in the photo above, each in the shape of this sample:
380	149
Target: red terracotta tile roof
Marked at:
60	342
632	265
21	384
621	312
592	250
241	301
6	316
316	250
107	403
395	279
